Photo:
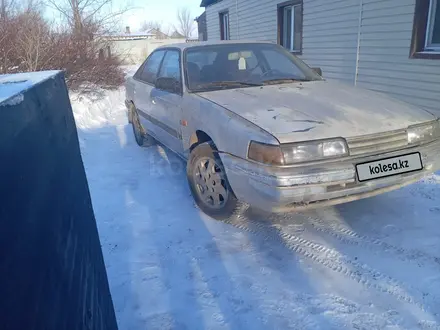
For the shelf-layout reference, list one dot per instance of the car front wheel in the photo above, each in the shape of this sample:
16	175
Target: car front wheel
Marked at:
209	184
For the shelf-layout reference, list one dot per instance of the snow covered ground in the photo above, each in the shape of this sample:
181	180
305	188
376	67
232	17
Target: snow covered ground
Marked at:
370	264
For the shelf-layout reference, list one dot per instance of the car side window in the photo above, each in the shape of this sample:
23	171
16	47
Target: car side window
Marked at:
171	65
139	71
151	67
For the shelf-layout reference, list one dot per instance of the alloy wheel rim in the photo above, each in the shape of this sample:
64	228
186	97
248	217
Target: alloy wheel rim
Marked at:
210	182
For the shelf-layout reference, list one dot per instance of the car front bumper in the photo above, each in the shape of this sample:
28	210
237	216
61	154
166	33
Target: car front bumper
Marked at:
296	187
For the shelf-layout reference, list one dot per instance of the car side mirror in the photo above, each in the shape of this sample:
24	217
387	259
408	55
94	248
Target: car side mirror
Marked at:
318	71
171	85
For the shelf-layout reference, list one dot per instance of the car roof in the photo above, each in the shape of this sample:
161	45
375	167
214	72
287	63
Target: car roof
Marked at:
192	44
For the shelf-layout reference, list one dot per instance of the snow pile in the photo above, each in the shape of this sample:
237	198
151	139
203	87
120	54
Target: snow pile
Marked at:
99	108
371	264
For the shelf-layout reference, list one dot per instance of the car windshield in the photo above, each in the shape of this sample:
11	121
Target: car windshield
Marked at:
243	65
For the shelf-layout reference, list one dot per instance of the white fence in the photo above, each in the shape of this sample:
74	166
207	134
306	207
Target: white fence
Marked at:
136	51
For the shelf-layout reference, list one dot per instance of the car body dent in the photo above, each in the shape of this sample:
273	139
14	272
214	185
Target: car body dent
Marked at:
229	132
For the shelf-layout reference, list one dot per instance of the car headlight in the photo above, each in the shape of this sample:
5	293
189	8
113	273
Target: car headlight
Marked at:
314	150
297	152
424	132
265	153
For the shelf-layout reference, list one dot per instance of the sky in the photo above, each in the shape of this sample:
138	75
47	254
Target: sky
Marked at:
164	11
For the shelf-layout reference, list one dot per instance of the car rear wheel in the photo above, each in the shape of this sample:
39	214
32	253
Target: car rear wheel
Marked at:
209	184
129	114
140	135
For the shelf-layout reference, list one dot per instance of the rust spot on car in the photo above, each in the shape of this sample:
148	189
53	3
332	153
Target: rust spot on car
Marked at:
304	130
307	121
241	91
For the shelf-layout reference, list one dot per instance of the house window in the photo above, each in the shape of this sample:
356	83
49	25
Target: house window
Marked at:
224	26
426	30
433	27
290	25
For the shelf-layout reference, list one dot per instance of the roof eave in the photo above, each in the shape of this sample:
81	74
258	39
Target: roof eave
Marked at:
206	3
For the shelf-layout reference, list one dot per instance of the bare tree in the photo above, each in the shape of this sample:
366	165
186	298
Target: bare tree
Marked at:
148	25
30	43
185	22
80	13
31	6
157	28
31	40
36	45
91	58
6	44
6	8
8	29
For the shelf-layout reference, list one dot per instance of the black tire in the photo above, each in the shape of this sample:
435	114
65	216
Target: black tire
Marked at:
140	135
205	153
129	114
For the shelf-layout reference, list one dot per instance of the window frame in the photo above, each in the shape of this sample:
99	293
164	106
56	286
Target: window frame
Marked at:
433	4
280	23
222	15
420	47
179	51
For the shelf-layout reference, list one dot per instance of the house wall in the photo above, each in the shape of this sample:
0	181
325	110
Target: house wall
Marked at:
329	30
201	27
332	31
384	63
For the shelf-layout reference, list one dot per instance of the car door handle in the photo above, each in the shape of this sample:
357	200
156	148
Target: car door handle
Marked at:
153	100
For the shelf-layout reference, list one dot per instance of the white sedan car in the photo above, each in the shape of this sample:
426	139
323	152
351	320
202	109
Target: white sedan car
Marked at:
257	125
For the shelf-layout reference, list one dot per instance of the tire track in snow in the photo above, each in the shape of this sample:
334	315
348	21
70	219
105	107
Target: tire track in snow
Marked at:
350	237
333	260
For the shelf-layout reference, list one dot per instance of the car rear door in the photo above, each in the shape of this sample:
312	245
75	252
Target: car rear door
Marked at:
167	105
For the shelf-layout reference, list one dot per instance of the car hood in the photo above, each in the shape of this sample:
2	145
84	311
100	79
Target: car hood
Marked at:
317	110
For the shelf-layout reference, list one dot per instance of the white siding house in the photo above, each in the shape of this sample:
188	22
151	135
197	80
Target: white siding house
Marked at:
392	46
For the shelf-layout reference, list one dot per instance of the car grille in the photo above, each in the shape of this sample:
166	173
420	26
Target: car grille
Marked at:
377	143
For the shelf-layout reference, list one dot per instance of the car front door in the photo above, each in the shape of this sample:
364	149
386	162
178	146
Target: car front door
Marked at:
167	104
145	79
